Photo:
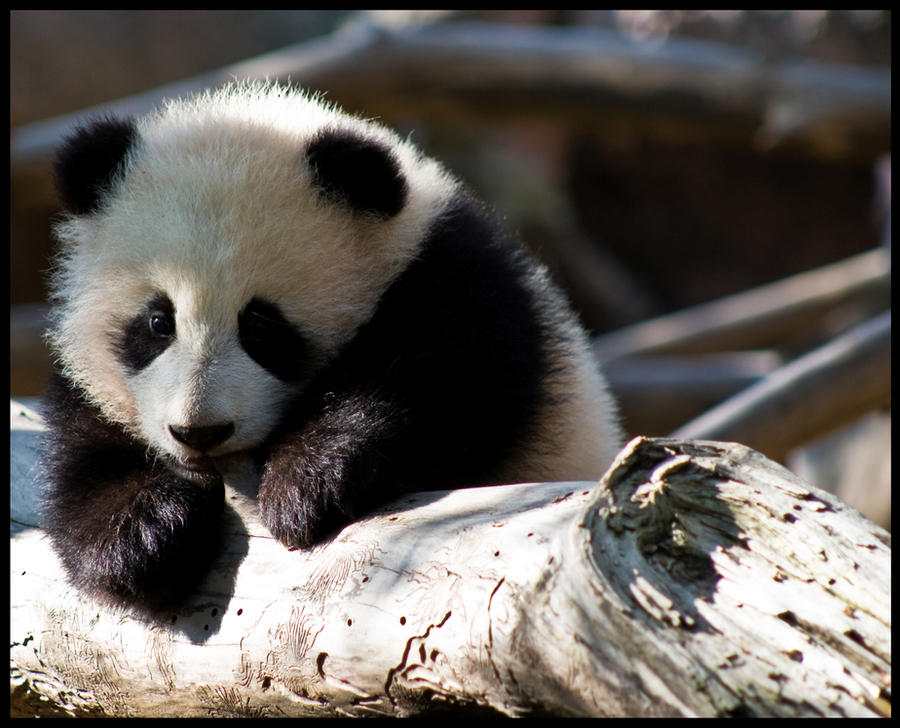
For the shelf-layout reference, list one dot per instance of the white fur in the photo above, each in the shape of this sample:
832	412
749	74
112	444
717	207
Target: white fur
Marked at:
217	209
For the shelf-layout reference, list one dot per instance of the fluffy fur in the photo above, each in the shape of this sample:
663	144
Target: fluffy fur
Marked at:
253	272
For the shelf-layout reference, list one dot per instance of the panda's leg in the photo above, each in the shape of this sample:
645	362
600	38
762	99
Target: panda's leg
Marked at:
124	526
335	465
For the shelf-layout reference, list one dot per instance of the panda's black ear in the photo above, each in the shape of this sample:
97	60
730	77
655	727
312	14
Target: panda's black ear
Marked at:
356	171
88	160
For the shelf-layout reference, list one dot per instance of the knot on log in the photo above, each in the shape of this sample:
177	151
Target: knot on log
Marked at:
716	541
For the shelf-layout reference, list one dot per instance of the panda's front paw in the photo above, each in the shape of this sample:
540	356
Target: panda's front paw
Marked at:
299	515
139	542
171	540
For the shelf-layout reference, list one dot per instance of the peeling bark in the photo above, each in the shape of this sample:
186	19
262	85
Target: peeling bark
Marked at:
696	578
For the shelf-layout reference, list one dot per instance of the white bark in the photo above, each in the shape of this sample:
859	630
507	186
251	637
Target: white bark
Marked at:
696	579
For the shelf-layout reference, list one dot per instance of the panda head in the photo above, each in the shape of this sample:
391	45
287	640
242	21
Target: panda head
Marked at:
220	252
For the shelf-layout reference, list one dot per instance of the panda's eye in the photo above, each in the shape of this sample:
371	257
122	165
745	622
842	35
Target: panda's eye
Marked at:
162	324
273	342
147	334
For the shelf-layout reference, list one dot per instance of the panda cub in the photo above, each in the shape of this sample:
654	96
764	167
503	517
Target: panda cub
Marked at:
253	273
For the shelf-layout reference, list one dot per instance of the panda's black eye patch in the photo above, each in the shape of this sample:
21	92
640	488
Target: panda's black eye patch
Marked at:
273	342
258	324
147	335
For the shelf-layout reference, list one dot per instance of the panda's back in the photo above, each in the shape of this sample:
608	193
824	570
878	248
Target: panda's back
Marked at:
476	332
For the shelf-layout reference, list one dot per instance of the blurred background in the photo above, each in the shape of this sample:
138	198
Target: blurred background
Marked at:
712	188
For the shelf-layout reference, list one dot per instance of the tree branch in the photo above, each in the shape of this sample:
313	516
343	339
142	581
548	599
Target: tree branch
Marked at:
761	317
475	68
812	395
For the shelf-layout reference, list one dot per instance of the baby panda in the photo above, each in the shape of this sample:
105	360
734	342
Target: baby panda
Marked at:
252	273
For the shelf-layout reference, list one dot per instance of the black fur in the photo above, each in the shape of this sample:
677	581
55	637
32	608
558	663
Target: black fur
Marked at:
88	161
437	391
357	171
123	525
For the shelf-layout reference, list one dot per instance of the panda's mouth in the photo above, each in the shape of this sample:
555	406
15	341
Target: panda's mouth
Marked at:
198	468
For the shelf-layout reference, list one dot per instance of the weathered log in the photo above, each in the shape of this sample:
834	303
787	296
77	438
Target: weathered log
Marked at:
696	578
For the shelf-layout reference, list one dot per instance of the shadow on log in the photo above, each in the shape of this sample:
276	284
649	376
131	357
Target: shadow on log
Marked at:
697	578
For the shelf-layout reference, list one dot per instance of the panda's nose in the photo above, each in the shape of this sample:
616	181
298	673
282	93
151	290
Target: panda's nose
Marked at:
202	438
